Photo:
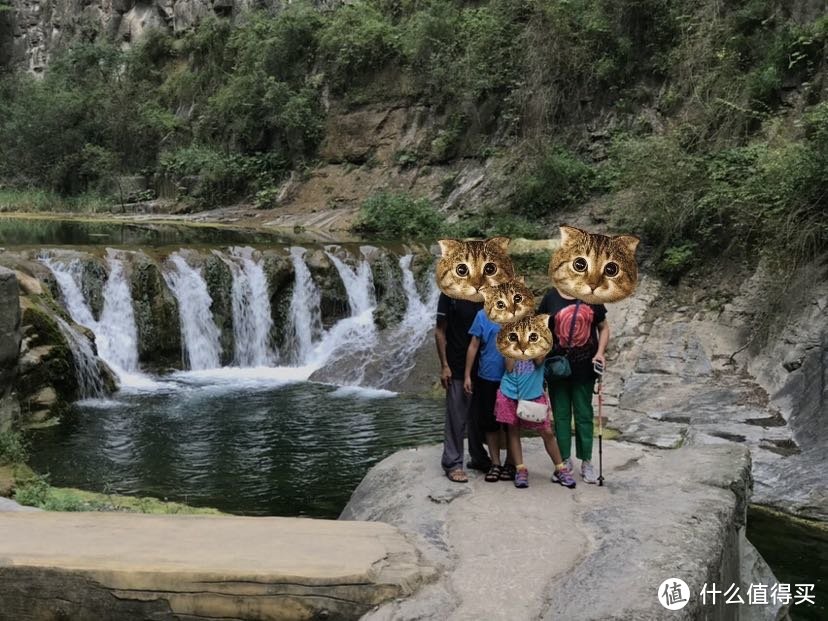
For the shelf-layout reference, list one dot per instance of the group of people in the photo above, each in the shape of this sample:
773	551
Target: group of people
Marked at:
483	389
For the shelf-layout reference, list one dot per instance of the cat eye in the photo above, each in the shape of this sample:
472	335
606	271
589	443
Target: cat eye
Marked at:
489	269
513	337
611	269
580	264
518	299
533	337
462	270
501	305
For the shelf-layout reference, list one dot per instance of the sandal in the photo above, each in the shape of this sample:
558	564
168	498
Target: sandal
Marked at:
507	472
458	475
493	475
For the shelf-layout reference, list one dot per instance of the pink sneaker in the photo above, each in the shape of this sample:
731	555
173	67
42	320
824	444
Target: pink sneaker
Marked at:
564	477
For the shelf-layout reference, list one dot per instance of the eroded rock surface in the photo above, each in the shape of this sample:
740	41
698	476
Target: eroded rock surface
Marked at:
491	541
79	566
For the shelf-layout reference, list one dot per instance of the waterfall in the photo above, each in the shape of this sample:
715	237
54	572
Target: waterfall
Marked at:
87	371
199	333
359	284
407	337
252	319
305	317
116	333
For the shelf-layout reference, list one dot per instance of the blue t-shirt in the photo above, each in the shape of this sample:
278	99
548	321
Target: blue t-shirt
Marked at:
525	381
492	365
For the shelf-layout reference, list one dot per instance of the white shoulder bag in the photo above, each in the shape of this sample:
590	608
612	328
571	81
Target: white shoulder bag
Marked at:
531	411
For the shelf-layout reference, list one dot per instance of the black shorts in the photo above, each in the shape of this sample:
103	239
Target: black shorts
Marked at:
483	405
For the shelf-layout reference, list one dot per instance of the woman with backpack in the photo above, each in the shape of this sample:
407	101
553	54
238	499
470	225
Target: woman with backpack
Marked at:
581	334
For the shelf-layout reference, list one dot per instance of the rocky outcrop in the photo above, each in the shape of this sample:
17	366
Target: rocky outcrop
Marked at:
156	315
79	566
31	32
547	542
387	276
219	281
279	271
10	337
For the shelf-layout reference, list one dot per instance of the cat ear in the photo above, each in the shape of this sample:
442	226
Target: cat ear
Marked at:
569	234
447	246
520	279
630	242
502	243
544	317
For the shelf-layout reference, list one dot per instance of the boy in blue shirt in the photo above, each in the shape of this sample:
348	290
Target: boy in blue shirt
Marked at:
483	391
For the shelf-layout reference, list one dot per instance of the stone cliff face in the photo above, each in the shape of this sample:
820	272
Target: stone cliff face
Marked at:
31	30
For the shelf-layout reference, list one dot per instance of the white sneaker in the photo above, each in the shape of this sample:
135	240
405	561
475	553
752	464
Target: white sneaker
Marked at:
588	472
569	464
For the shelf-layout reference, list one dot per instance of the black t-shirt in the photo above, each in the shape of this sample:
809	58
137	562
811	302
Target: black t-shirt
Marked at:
584	343
459	315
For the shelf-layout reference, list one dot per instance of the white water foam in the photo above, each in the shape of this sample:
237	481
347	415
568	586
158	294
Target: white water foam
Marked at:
116	334
403	341
305	317
252	319
200	336
87	371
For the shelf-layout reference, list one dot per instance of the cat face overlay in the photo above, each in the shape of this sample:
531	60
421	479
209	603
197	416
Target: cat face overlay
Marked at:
525	339
594	268
508	302
467	266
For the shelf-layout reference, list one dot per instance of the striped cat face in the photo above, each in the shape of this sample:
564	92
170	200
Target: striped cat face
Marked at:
525	339
508	302
594	268
467	266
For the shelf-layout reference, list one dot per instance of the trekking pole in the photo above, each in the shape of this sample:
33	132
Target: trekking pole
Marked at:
600	434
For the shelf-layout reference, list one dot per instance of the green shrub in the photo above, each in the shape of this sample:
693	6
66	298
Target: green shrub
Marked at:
676	260
13	448
357	40
33	492
558	179
491	224
398	216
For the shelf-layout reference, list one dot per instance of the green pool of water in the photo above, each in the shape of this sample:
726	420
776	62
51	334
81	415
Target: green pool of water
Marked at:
297	449
798	554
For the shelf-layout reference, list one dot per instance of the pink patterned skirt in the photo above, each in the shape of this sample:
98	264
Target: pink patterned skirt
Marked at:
506	412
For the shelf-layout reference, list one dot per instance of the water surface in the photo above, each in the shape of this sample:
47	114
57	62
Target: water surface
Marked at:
240	445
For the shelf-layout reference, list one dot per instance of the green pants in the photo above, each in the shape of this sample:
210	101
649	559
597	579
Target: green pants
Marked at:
573	399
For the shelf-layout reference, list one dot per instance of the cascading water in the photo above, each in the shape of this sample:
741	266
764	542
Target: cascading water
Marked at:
305	317
354	337
252	319
116	334
352	351
406	338
359	284
199	333
90	381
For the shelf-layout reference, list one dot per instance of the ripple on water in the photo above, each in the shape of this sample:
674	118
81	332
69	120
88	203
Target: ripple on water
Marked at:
263	445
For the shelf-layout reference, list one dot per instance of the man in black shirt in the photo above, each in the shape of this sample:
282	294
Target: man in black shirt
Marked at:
454	318
580	332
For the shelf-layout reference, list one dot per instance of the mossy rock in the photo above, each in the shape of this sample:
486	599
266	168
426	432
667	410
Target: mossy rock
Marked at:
156	316
280	278
333	296
56	368
388	286
219	281
422	265
93	281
